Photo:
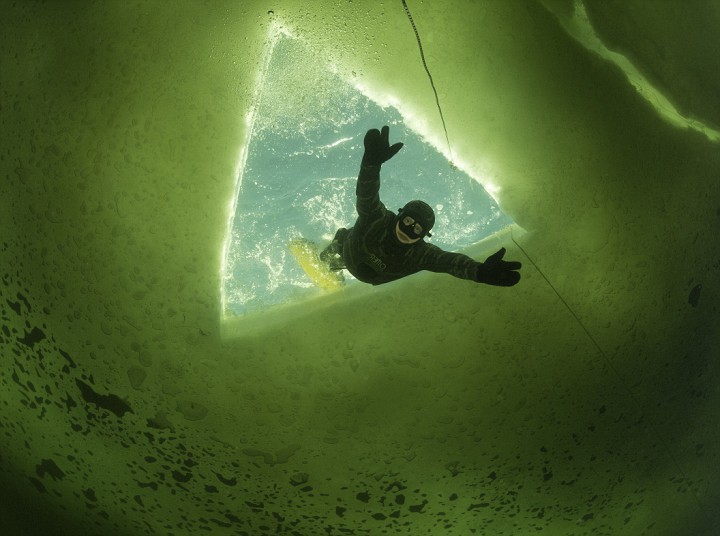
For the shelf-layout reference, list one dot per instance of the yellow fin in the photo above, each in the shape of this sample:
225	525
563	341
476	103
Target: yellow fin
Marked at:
305	253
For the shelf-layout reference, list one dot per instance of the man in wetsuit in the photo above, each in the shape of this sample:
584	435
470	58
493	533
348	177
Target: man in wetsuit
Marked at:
383	246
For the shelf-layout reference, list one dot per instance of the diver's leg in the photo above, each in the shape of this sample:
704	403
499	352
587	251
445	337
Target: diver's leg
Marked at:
330	250
332	254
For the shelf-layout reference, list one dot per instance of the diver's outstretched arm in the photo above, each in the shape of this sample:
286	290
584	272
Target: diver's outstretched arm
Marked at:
377	151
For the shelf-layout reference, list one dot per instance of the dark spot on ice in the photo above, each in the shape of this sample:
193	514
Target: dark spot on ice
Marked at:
395	486
160	422
25	301
67	357
38	485
33	337
49	467
256	506
180	477
233	518
226	481
299	478
547	475
694	296
418	508
15	306
111	403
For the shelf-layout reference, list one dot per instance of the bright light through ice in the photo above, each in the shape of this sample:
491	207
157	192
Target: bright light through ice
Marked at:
299	172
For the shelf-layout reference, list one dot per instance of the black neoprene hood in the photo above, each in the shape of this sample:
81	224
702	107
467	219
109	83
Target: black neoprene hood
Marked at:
421	212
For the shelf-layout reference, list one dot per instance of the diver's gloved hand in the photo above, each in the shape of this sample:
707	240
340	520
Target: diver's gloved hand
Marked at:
495	271
377	147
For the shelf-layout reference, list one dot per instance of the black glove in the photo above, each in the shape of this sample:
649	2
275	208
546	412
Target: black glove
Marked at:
495	271
377	147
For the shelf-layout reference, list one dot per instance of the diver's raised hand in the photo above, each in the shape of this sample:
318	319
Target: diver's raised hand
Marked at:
377	147
496	271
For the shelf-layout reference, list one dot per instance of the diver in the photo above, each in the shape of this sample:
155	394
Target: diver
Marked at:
383	246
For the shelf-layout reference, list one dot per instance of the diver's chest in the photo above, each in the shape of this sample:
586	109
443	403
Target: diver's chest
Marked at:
390	260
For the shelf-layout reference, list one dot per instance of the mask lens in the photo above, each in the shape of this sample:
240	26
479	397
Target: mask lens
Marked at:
410	226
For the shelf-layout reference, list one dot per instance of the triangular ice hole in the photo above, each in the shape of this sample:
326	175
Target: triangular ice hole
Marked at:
298	180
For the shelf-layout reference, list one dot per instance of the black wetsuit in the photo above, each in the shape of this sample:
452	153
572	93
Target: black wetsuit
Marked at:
373	254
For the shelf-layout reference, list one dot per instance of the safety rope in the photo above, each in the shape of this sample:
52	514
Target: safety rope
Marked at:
615	371
432	83
597	346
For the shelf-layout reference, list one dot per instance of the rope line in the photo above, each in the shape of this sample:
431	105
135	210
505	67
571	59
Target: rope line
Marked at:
577	319
615	371
632	396
634	399
432	83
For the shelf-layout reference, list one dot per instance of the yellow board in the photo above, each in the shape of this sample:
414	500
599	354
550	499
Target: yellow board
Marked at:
306	254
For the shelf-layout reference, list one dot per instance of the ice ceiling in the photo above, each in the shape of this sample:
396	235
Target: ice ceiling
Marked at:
582	401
